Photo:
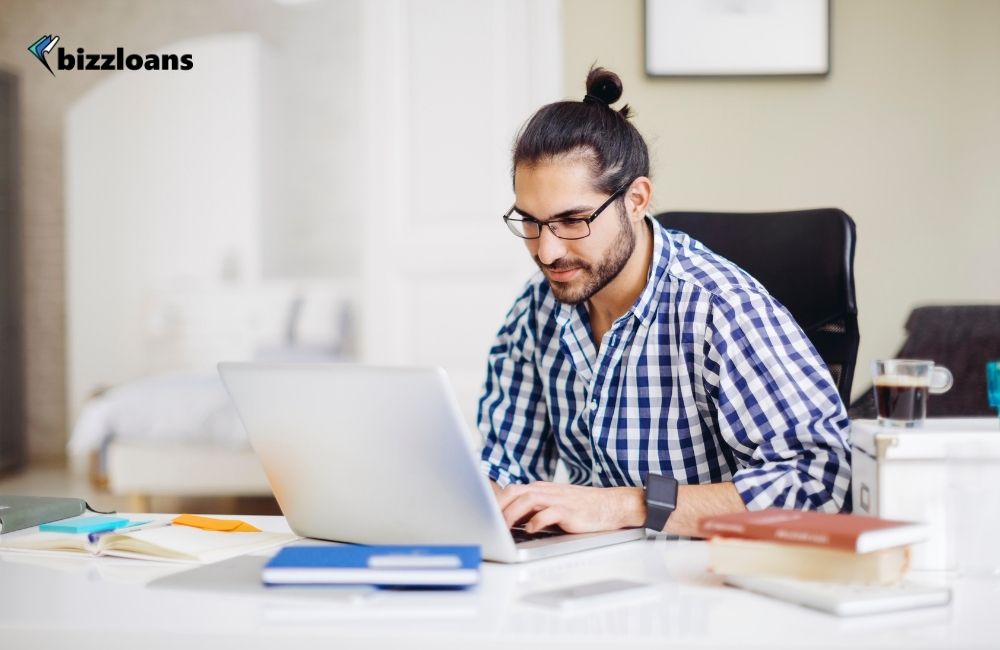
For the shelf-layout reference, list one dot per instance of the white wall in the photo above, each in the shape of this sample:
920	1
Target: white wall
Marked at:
311	115
163	212
904	135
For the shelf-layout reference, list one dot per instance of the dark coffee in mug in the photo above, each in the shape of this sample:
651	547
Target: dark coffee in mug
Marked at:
901	398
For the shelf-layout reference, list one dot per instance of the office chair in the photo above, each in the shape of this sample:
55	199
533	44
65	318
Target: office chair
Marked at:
962	338
805	259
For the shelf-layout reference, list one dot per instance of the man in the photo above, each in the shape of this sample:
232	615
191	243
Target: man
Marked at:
639	358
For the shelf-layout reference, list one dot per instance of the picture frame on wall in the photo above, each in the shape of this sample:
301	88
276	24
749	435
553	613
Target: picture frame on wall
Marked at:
735	38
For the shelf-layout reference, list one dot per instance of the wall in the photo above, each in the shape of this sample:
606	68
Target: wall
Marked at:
903	135
162	208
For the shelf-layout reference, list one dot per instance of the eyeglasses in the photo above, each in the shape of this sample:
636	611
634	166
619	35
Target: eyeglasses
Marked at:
563	227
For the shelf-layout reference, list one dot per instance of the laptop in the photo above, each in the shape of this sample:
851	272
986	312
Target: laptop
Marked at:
372	455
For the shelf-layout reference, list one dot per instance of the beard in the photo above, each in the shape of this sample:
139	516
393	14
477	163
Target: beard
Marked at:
593	278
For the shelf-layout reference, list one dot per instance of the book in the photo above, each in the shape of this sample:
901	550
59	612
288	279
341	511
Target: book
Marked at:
155	542
395	566
855	533
20	512
742	557
846	600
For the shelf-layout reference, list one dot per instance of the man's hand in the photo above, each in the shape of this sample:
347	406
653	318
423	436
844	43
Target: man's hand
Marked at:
573	508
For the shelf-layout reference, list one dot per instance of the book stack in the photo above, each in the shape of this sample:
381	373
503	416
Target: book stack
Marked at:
814	546
842	564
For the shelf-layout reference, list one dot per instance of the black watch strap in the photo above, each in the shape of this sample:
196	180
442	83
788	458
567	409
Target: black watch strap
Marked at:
661	500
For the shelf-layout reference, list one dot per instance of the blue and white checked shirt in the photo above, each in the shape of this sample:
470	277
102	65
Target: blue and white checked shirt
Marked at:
707	378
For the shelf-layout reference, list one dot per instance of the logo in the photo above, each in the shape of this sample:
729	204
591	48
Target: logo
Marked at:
118	60
43	46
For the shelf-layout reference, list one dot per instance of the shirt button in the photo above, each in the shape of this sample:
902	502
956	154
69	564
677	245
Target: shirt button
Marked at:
593	405
599	469
614	339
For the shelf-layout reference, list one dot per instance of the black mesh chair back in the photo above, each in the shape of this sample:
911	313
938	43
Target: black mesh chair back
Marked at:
805	259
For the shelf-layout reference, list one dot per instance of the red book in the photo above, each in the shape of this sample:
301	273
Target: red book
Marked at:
855	533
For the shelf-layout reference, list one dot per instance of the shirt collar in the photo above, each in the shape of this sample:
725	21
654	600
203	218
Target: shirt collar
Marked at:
645	304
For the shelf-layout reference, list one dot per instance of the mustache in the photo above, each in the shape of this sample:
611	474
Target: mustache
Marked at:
562	265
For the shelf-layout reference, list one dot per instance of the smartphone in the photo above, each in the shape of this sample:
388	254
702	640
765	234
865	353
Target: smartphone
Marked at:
588	594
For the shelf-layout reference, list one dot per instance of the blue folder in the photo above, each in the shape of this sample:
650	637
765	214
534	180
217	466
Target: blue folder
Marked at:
384	566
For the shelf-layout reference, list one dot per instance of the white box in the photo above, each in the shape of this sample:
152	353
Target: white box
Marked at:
945	473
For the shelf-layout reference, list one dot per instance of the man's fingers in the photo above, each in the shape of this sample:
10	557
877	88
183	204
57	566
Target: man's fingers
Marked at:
522	507
510	493
545	518
515	490
519	509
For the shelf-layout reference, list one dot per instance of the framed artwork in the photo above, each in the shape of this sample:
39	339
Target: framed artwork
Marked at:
726	38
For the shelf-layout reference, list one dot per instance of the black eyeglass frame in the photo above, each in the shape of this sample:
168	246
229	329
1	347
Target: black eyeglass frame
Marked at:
507	218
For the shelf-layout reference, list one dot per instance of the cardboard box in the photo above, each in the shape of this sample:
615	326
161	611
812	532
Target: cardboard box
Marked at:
945	473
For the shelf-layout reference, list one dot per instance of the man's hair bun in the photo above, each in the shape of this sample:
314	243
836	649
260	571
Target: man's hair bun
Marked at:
604	85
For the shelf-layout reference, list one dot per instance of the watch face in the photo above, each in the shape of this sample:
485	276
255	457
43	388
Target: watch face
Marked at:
661	491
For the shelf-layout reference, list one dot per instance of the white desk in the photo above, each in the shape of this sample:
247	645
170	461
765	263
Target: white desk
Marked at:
107	603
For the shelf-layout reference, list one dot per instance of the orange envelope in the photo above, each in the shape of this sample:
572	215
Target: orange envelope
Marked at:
209	523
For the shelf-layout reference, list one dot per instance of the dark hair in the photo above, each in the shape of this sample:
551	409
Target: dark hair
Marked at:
616	151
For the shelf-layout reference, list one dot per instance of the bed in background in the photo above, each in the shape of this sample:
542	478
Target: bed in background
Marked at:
175	434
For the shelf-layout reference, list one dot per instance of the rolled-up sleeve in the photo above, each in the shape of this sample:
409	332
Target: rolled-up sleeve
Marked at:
518	445
776	406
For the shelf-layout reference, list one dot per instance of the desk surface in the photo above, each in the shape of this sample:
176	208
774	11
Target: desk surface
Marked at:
109	602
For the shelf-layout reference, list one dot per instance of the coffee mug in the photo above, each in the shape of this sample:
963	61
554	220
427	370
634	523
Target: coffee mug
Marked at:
901	389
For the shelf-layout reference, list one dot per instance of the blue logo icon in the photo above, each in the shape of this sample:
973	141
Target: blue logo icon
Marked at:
43	46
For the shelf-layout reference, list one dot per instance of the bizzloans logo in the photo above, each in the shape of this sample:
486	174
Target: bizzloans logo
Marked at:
118	61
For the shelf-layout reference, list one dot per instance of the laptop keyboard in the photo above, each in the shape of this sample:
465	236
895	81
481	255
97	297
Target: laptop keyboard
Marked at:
521	535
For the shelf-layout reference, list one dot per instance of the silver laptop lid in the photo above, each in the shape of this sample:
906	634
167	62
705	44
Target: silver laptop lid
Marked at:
368	455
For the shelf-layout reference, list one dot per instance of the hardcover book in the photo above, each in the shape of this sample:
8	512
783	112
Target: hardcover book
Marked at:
855	533
731	556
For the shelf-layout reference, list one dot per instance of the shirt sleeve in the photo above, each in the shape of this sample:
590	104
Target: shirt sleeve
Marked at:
518	445
778	408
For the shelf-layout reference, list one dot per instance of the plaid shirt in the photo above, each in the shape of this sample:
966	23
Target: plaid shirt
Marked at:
707	379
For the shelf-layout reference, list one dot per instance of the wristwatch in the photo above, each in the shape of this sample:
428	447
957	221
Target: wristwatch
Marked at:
661	500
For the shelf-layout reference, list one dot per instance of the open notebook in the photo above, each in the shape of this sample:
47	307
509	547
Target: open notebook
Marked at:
166	543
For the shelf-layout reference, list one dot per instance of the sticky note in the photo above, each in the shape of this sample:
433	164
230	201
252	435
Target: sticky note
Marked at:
210	523
85	524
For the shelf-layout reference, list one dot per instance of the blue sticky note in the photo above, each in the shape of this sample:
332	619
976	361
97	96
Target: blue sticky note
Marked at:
84	524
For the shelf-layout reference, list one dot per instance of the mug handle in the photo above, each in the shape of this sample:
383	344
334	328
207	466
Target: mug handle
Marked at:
941	380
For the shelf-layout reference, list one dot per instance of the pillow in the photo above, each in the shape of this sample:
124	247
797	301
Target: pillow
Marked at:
170	408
